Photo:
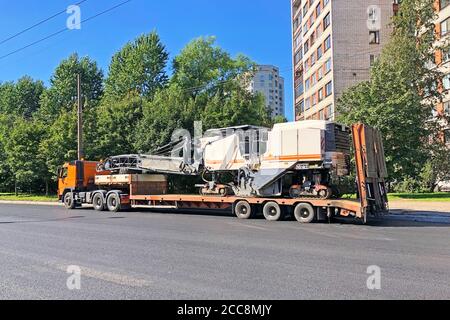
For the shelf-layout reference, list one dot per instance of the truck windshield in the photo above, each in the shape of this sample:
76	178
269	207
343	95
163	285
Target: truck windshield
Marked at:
62	172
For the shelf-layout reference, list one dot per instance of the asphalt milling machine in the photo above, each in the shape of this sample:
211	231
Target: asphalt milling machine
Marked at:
296	160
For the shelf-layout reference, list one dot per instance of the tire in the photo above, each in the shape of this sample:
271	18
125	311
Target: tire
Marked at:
98	202
272	211
325	194
113	202
304	213
243	210
69	201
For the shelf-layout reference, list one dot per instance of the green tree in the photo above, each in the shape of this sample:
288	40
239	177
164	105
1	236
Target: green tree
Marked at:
117	122
202	66
23	157
21	98
208	85
139	67
6	178
62	95
238	107
279	119
60	142
168	111
401	93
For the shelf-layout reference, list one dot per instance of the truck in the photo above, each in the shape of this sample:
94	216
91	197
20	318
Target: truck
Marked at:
136	182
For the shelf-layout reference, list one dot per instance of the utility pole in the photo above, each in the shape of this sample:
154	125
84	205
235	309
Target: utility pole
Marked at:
80	120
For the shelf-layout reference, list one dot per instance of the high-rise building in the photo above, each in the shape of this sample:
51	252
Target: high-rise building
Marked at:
335	42
267	80
443	58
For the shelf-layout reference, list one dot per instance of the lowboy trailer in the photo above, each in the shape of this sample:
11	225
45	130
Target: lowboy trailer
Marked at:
79	184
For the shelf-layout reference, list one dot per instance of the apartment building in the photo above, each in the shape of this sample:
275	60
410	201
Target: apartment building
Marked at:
443	58
335	42
267	80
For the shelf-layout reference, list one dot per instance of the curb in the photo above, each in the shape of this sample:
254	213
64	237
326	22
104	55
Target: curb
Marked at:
38	203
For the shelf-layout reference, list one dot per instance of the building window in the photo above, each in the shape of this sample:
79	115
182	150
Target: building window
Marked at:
313	59
307	104
447	136
313	81
321	115
443	4
320	95
307	84
325	2
445	26
326	21
372	59
330	112
305	9
374	37
446	54
298	56
320	73
328	43
299	90
312	39
319	52
328	89
328	66
318	10
305	47
446	108
446	82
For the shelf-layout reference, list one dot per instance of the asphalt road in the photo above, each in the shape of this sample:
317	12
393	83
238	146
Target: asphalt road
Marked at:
143	255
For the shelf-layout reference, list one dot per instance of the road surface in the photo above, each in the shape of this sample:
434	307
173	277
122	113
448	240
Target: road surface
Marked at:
144	255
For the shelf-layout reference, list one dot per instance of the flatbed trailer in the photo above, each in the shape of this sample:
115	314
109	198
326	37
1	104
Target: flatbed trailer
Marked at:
244	208
121	192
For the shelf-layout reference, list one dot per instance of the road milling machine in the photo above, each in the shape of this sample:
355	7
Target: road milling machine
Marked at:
296	160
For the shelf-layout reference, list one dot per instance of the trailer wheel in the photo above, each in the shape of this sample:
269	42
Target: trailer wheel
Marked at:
304	213
243	210
272	211
113	202
69	201
98	202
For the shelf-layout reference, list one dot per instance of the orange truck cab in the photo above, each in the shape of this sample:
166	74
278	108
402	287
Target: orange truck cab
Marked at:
76	176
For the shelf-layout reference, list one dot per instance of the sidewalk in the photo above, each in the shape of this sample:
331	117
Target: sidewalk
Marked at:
423	206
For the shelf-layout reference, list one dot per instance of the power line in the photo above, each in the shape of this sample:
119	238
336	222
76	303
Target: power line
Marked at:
37	24
63	30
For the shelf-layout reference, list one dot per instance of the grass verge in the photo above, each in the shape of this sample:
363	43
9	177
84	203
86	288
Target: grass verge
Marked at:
430	197
27	197
438	196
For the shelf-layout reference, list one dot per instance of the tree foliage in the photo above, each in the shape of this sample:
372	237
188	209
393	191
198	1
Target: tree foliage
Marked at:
139	67
21	98
137	112
401	94
22	154
62	95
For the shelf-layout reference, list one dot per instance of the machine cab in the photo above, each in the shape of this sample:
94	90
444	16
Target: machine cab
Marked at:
76	176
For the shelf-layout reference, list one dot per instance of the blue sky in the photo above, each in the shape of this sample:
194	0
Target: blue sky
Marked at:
258	28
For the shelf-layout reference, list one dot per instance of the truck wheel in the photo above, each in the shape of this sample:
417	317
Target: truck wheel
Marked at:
243	210
69	201
113	202
272	211
304	213
98	202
